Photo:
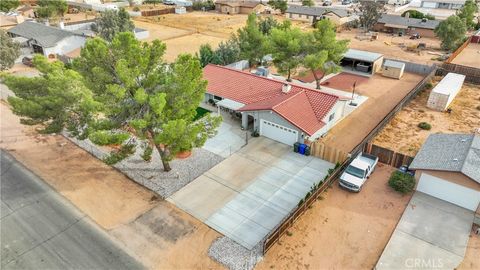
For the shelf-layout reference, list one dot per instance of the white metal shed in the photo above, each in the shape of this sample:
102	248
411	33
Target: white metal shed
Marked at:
445	91
393	69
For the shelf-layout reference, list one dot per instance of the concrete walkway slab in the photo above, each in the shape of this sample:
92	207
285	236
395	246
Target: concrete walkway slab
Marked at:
248	194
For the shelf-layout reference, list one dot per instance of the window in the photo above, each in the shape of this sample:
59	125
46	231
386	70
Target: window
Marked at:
331	117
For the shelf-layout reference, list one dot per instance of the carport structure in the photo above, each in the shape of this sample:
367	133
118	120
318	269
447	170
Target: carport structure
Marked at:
362	62
247	195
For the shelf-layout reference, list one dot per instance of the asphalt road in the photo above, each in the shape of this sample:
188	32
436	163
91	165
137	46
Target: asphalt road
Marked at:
42	230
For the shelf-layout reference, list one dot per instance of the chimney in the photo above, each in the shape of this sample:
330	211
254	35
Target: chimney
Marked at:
61	24
407	15
47	22
286	88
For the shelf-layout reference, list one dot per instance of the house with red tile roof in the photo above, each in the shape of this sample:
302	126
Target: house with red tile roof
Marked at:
284	112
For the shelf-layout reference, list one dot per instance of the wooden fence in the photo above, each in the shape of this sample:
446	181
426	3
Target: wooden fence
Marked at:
333	155
472	75
282	228
387	156
420	86
458	50
156	12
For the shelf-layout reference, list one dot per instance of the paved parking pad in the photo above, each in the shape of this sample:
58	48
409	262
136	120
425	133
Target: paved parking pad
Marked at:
436	233
247	195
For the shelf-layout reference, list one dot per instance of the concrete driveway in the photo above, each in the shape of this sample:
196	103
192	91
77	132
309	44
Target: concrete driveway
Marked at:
245	196
432	233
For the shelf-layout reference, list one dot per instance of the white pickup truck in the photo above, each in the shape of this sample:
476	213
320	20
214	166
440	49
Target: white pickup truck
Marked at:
358	172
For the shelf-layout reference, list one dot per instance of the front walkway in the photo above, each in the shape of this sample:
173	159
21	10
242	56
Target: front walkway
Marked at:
248	194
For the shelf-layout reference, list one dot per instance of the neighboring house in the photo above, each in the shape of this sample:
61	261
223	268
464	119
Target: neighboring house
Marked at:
9	21
339	16
361	62
448	167
284	112
443	4
26	11
398	24
239	7
47	40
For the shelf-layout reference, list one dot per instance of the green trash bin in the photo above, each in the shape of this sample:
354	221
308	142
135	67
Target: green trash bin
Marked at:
307	151
295	147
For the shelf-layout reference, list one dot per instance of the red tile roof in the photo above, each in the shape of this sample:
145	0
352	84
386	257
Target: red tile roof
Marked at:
305	108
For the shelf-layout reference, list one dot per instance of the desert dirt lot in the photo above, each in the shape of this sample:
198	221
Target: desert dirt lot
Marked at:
184	33
394	50
403	135
153	231
384	94
471	260
470	56
344	230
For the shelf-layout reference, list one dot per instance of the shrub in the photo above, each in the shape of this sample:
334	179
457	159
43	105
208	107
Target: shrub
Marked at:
108	138
425	126
147	154
136	9
122	153
428	85
401	182
478	107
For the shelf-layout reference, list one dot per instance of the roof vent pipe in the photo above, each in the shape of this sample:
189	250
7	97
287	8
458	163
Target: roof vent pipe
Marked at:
286	88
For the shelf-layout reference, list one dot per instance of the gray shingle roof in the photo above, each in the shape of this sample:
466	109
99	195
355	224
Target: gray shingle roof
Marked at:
410	22
450	152
46	36
317	11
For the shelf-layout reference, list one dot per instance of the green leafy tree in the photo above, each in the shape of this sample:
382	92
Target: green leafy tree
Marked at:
9	51
9	5
112	22
324	51
207	55
287	46
279	4
251	41
142	95
417	15
370	12
308	3
451	32
51	8
266	25
467	13
54	100
227	52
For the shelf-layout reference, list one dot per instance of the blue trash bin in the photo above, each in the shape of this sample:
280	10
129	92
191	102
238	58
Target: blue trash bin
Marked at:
301	149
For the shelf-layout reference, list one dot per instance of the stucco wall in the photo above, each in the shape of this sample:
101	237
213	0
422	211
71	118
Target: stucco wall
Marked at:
454	177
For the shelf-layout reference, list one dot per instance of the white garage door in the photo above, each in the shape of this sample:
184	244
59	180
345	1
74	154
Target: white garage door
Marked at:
448	191
278	133
429	5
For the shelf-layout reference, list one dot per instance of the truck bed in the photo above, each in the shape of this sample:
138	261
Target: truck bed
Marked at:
367	158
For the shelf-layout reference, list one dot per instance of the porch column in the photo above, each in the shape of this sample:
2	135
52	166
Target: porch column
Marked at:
244	120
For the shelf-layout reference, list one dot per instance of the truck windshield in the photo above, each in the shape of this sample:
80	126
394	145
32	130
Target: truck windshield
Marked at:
355	171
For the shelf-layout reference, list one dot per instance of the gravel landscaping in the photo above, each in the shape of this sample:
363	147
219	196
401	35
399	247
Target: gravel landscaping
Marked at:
234	256
150	174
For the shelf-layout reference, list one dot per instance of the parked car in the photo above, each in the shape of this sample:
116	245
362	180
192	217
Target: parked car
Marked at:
415	36
27	61
327	3
168	2
346	2
406	170
358	171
